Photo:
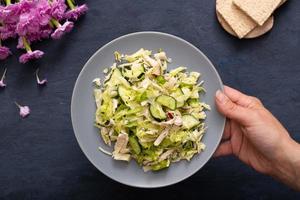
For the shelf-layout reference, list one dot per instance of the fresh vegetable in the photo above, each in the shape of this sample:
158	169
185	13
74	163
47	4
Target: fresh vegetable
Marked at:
150	115
167	101
188	121
157	111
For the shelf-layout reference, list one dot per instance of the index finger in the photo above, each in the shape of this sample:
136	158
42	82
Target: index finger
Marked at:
239	98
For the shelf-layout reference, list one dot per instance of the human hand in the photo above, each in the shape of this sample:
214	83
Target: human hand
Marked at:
257	138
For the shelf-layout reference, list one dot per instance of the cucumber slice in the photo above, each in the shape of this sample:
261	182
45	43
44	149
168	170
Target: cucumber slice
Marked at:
167	101
194	103
157	112
180	102
179	96
178	92
134	144
116	78
189	121
125	94
135	71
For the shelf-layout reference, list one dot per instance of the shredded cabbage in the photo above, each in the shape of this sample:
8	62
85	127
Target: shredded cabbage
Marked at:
129	115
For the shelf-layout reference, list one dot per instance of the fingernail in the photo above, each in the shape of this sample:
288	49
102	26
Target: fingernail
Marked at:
221	96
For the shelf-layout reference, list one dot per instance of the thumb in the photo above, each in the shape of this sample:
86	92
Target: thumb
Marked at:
232	110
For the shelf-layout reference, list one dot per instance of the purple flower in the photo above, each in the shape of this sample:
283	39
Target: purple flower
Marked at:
34	24
2	84
24	110
30	55
10	13
7	31
28	23
43	9
4	52
44	32
40	82
33	21
9	17
58	8
76	12
62	29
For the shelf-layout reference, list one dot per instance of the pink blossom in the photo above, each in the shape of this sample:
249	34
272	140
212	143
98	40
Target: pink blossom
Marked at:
9	17
43	9
2	84
29	23
44	32
62	29
40	82
24	110
30	55
4	52
76	12
58	8
7	31
10	13
32	22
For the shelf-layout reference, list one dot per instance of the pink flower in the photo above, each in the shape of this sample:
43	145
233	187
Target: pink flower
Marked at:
28	23
30	55
43	9
44	32
7	31
62	29
24	110
40	82
33	21
9	17
76	12
58	8
4	52
34	24
2	84
10	13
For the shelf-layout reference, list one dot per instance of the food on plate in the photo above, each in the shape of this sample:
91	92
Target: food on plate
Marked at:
148	113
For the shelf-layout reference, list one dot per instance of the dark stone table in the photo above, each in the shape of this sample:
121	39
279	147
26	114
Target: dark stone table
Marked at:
39	156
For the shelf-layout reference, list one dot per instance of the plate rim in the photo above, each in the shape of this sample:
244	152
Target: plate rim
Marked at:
85	67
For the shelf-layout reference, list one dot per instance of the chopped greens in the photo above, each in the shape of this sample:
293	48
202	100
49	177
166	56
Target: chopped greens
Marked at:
150	115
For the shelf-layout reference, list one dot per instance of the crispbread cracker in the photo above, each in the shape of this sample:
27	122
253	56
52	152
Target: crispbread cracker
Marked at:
258	10
225	25
261	30
240	23
256	32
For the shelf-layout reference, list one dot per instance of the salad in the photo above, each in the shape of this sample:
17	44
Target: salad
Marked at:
148	113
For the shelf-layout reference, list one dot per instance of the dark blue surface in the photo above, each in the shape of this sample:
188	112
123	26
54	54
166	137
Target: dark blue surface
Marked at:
39	156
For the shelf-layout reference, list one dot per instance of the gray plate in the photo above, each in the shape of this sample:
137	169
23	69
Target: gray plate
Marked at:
83	108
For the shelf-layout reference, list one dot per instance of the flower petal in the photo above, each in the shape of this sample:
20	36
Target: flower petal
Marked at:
24	111
31	55
76	12
4	52
38	80
61	30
